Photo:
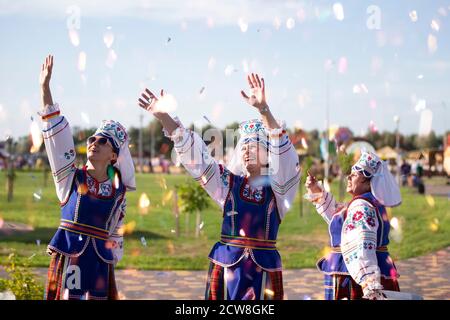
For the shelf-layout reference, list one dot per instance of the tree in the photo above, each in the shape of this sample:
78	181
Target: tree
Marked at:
193	198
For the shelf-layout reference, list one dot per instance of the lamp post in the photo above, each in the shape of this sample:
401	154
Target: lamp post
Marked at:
328	67
141	116
397	147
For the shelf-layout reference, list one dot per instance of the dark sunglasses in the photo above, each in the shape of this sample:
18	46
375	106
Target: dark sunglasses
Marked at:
100	140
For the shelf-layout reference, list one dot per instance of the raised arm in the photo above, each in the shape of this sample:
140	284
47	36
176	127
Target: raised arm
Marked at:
191	150
258	100
284	168
57	136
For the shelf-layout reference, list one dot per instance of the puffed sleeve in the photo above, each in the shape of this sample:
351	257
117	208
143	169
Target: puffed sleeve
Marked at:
60	149
115	238
284	169
193	154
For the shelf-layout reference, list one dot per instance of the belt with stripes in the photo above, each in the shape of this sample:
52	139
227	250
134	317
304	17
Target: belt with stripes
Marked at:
379	249
245	242
84	229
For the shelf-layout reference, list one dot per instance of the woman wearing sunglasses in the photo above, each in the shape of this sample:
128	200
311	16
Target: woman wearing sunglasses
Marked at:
254	191
88	242
359	265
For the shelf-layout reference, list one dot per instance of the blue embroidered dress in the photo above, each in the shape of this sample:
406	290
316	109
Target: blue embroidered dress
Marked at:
359	235
245	258
88	238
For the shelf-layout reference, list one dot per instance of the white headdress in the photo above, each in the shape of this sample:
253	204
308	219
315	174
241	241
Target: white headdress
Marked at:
384	187
118	137
250	131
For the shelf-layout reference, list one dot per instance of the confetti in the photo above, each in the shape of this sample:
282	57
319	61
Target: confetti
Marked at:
116	181
245	67
36	137
442	11
37	195
167	197
229	70
143	241
372	127
167	103
211	63
127	228
435	25
287	205
290	23
144	203
426	121
432	43
276	23
326	186
338	11
74	37
421	105
82	189
243	25
82	61
434	225
342	67
269	292
430	200
413	16
396	231
85	117
206	118
111	59
170	247
304	143
210	22
108	38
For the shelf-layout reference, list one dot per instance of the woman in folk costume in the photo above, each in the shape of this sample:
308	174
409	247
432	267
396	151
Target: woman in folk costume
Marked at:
359	265
88	242
254	192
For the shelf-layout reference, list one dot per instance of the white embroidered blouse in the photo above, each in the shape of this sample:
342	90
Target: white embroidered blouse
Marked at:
195	157
61	155
358	237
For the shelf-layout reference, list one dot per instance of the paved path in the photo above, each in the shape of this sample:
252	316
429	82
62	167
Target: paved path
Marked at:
428	276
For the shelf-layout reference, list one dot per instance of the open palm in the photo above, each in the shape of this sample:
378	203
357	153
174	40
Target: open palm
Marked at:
46	71
257	96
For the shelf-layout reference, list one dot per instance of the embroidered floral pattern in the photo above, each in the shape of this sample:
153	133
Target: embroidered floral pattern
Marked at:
103	189
250	194
69	154
363	218
225	176
357	216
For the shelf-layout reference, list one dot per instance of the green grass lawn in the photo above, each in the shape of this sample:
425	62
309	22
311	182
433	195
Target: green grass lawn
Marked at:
301	240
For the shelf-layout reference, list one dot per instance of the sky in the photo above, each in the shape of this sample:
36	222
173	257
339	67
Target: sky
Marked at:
378	59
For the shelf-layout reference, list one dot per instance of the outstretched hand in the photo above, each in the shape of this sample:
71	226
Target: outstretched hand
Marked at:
46	71
257	96
149	102
312	185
